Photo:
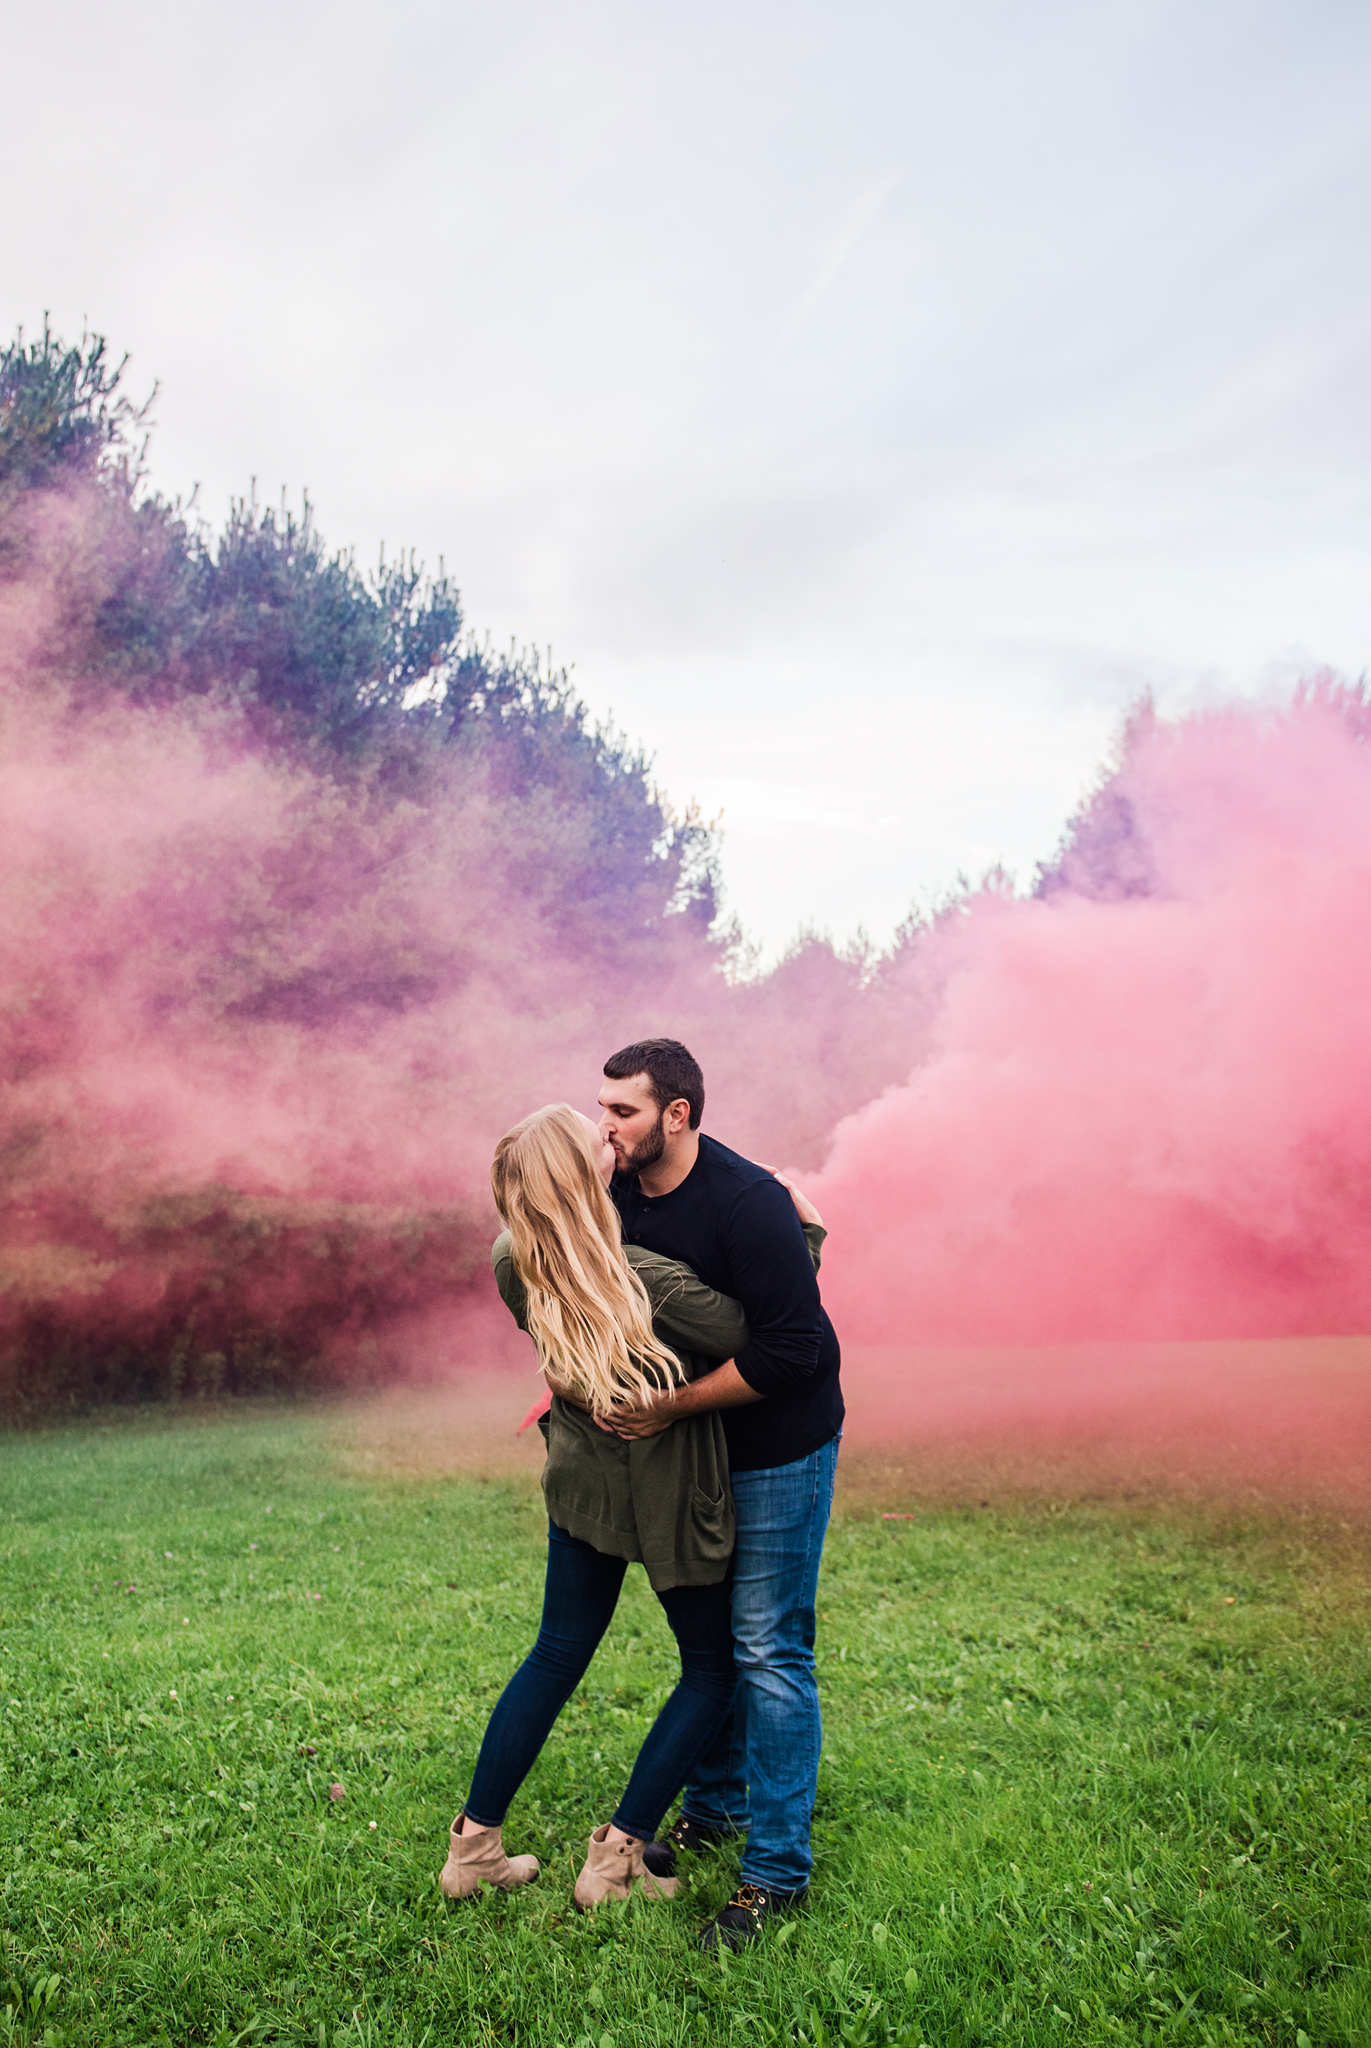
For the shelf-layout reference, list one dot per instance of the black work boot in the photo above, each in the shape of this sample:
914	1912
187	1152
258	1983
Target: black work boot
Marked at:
741	1919
691	1835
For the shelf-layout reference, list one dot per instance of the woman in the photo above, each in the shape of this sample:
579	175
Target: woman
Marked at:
608	1320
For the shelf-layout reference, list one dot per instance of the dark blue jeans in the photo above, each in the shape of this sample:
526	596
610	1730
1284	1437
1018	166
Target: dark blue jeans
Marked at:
761	1775
578	1603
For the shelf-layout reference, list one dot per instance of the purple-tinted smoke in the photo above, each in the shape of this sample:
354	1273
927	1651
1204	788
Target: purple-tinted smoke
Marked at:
265	1015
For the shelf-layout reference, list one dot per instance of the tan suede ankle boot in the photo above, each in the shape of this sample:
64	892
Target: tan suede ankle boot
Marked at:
611	1870
474	1860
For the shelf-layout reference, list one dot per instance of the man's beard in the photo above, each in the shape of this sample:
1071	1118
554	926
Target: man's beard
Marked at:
647	1151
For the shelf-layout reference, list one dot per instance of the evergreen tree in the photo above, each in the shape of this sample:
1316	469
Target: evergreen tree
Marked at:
373	671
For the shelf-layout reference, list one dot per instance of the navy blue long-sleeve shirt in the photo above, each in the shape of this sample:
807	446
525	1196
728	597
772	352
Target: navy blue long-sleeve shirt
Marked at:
737	1228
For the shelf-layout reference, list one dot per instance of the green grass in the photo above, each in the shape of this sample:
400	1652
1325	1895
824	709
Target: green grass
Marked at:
1091	1775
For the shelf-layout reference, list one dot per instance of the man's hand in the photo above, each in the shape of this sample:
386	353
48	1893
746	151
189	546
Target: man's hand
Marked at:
563	1391
725	1387
649	1418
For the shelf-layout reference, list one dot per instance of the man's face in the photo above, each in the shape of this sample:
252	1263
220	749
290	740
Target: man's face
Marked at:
632	1123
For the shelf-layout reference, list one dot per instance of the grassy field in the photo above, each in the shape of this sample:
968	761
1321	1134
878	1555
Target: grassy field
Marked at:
1092	1772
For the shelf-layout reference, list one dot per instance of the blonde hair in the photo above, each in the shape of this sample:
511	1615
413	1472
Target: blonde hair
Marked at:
588	1312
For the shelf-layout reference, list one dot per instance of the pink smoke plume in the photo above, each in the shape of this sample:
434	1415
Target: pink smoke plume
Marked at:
264	1018
265	1014
267	1005
1144	1108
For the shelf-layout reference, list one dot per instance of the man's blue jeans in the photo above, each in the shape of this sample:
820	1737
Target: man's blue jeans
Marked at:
762	1770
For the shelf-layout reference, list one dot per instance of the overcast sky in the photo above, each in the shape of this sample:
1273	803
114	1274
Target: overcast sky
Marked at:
868	401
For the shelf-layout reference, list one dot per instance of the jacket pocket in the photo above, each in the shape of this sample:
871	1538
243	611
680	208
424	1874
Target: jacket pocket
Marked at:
712	1522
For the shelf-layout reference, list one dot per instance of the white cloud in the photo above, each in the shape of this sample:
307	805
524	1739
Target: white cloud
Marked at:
1074	403
839	249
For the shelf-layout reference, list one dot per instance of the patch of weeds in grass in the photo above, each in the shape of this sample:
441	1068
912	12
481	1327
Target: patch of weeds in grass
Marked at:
1090	1776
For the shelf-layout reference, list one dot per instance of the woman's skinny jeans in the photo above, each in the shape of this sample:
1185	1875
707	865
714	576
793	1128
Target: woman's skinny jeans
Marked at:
582	1591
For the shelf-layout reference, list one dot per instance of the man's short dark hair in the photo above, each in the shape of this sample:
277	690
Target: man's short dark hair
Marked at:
675	1075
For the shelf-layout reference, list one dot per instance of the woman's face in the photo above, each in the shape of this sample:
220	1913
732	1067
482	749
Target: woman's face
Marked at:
603	1150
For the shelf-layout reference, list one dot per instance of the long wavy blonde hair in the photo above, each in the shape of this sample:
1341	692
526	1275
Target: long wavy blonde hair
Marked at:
588	1312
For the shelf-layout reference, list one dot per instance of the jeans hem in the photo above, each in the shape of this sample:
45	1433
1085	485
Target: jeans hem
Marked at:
790	1890
722	1823
630	1827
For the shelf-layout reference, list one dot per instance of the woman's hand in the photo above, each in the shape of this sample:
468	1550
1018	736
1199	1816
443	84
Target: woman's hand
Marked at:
804	1207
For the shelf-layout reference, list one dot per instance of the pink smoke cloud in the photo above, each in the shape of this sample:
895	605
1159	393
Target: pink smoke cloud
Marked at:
264	1013
1144	1109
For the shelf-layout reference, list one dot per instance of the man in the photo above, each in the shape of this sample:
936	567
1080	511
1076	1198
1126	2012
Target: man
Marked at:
682	1193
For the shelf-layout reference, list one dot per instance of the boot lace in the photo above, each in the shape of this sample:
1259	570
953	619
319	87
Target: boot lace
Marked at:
750	1899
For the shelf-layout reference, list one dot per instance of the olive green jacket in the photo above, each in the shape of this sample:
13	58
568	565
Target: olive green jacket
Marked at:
663	1502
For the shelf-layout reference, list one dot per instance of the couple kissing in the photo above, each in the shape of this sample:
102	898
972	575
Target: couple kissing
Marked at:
670	1287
